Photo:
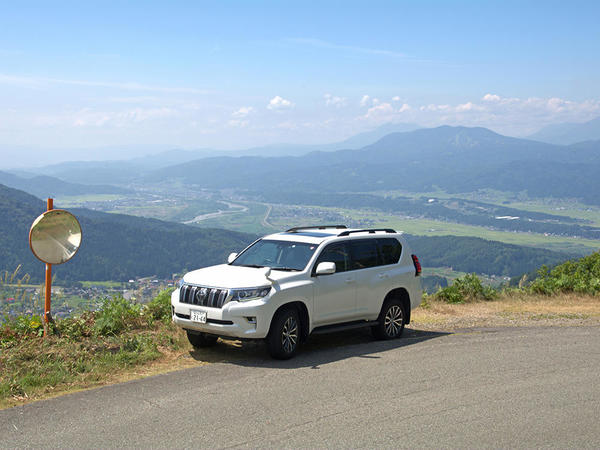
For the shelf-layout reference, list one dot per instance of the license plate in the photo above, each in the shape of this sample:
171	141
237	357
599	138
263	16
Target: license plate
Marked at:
198	316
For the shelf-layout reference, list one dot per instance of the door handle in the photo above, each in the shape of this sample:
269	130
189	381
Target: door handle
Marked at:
383	276
349	280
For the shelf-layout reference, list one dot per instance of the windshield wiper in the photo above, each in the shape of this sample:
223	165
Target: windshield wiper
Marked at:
286	269
256	266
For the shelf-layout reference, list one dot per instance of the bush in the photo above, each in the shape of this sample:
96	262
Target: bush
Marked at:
467	288
18	327
117	315
76	327
160	307
581	276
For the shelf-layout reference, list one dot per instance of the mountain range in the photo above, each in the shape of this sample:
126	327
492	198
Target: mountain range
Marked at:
456	159
569	133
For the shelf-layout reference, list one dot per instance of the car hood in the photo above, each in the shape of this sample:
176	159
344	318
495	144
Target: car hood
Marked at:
226	276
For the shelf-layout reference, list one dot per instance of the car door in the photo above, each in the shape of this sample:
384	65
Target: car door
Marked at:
370	277
335	294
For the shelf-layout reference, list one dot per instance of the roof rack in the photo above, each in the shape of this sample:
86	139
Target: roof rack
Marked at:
366	230
318	227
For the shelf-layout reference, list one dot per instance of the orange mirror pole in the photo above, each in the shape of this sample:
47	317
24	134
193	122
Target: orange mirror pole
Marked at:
48	292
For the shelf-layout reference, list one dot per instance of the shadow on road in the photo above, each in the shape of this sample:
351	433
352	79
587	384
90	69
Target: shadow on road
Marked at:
319	350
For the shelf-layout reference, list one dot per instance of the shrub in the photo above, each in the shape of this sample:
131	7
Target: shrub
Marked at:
117	315
21	326
467	288
76	327
160	307
581	276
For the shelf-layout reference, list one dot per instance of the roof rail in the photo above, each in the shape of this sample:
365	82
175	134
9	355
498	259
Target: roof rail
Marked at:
317	227
366	230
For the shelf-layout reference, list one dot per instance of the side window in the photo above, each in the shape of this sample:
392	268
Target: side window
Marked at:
390	250
363	254
335	253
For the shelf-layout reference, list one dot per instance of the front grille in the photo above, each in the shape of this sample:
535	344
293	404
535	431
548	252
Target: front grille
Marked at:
203	296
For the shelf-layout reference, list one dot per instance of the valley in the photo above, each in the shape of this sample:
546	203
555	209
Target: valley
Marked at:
452	190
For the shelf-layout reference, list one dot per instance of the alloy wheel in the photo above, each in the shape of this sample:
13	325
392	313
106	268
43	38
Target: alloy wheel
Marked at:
393	321
289	335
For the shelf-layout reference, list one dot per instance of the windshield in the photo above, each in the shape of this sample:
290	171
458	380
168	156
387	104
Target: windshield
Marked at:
278	255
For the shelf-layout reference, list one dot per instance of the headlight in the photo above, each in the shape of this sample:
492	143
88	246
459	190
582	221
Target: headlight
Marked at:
244	295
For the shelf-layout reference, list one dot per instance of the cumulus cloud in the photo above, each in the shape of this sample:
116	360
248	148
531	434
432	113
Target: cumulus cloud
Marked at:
364	101
396	98
332	100
279	103
491	98
383	112
244	111
510	115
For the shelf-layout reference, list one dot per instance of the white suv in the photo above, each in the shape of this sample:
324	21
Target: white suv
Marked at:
285	286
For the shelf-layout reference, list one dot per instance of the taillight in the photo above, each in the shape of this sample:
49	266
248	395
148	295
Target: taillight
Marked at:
417	265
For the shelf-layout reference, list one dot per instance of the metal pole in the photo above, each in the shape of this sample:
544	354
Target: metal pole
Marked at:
47	315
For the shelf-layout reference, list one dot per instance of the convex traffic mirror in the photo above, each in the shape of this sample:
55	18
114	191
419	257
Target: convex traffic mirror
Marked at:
55	236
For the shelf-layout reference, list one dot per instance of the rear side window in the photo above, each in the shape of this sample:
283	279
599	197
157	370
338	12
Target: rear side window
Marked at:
363	254
335	253
390	250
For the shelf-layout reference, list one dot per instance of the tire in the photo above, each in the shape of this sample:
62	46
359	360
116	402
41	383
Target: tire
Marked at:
391	320
283	339
200	340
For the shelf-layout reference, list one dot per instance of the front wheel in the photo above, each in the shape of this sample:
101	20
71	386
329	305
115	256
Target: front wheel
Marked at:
391	320
284	337
199	340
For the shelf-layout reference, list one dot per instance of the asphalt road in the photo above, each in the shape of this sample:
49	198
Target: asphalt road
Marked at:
525	387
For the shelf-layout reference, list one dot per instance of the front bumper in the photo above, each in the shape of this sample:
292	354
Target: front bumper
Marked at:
247	320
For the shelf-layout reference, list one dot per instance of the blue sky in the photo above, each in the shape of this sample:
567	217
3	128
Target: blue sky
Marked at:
147	76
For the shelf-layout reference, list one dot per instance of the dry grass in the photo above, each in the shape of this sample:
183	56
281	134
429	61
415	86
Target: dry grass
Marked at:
513	310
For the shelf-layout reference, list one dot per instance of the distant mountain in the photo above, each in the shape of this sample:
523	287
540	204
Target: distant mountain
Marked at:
115	246
44	186
123	172
569	133
458	159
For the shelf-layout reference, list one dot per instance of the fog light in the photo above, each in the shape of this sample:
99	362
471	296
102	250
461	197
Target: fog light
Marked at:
251	320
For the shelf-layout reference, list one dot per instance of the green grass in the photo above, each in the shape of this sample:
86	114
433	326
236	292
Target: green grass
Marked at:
85	350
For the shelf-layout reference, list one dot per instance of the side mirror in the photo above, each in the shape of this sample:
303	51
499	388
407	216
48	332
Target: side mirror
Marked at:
325	268
231	257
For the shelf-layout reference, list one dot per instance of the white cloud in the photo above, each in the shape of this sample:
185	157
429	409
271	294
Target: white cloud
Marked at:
364	101
244	111
491	98
279	103
469	106
383	110
396	98
332	100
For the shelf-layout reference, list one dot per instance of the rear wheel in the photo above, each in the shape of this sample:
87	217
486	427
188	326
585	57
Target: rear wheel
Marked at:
199	340
284	337
391	320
